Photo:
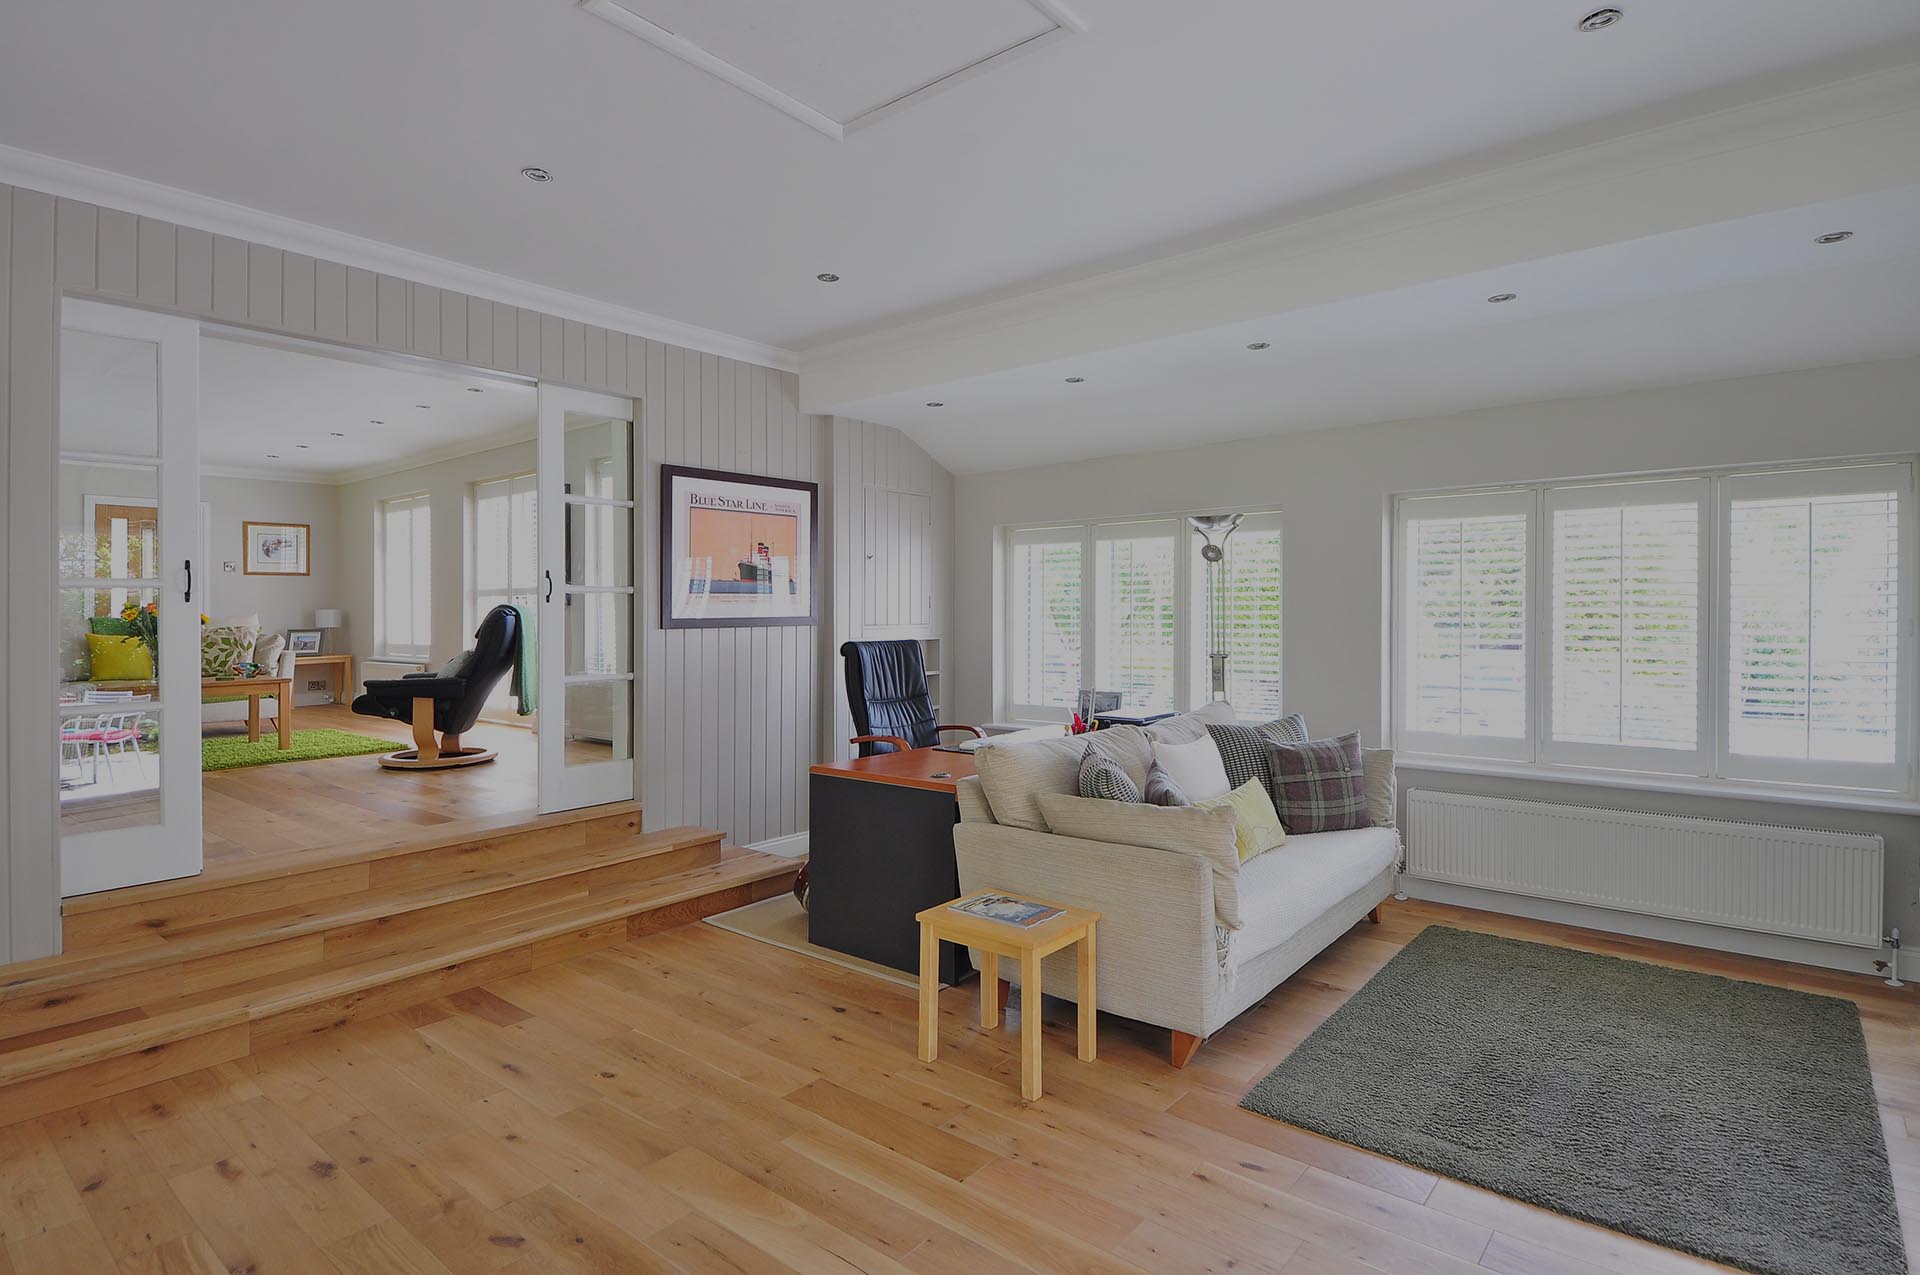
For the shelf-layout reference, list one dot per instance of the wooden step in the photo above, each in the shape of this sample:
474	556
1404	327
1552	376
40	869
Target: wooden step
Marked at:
185	1033
199	958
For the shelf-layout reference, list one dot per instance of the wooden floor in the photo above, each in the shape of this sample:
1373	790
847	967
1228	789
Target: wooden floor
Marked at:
694	1101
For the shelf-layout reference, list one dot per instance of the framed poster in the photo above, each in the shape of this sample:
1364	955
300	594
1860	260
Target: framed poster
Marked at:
736	549
276	548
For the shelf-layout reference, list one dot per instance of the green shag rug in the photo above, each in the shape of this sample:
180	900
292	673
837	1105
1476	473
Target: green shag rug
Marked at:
230	752
1727	1119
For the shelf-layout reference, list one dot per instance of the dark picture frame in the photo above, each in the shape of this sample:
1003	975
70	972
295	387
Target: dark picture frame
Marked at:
683	607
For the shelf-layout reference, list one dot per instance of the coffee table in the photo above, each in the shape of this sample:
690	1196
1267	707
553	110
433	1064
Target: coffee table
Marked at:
254	689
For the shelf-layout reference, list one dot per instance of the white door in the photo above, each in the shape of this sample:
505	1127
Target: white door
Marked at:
129	545
586	628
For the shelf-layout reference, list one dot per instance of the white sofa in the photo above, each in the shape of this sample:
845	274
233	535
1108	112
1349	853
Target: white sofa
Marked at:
1185	942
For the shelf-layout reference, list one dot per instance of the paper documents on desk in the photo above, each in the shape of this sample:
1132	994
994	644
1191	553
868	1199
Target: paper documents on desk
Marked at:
1006	909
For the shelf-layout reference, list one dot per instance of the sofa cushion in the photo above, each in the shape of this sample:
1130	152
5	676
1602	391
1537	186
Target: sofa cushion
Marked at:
1243	747
1160	790
1014	774
1188	727
1195	766
1320	786
1377	763
1206	834
1286	890
118	659
1256	825
225	643
266	650
1105	779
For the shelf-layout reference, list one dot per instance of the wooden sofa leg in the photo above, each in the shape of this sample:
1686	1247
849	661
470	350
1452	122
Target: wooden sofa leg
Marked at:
1184	1048
1374	916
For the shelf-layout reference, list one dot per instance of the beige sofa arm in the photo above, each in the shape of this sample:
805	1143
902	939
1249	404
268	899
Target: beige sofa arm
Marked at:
1157	956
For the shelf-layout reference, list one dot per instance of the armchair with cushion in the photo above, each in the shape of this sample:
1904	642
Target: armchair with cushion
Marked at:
448	701
887	693
1190	936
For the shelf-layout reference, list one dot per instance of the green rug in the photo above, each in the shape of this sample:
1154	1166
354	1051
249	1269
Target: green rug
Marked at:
233	752
1732	1120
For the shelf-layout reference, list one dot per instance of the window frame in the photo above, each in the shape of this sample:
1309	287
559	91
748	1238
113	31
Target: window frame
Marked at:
1190	680
387	649
1715	766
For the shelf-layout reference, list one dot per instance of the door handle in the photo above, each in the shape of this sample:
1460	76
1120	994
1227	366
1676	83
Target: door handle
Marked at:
189	596
549	586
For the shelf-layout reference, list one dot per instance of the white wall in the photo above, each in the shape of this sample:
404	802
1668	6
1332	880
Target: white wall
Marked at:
1334	489
282	602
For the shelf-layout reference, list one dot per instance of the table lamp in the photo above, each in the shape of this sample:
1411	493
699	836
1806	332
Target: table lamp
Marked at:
328	618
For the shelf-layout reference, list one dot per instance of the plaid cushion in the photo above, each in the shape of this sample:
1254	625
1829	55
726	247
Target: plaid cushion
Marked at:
1104	779
1243	749
1320	786
1161	790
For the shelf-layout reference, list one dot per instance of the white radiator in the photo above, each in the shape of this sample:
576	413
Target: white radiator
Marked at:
1812	885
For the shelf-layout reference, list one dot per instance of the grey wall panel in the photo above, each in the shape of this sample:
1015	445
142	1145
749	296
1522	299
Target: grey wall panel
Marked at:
730	718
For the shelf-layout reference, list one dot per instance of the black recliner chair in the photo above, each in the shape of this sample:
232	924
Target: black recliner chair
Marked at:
448	701
887	691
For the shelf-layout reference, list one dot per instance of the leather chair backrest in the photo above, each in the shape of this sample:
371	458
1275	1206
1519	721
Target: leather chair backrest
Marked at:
887	691
496	648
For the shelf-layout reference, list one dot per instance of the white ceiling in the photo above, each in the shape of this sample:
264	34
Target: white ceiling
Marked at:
1160	130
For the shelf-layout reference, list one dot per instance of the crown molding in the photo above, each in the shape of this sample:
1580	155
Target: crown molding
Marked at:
1784	151
71	180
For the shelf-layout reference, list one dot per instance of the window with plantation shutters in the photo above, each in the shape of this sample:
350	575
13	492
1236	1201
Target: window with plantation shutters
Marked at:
1463	601
403	617
1136	610
1819	624
1741	625
1626	595
1046	569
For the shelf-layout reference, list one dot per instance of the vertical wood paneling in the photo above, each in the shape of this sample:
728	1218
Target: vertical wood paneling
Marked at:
573	352
527	342
229	279
33	888
76	240
118	253
13	788
363	306
506	337
453	327
552	363
296	293
616	370
330	300
423	317
266	271
391	330
479	332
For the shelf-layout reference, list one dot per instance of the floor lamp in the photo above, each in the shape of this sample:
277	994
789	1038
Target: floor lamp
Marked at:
1213	530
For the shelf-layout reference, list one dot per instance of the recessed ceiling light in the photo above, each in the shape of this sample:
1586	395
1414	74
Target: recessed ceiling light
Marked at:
273	455
536	175
1259	345
1500	298
425	407
376	422
828	278
1075	380
1838	236
933	404
475	389
301	446
338	434
1601	19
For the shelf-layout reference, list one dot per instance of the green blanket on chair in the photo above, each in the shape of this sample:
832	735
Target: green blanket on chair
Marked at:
526	669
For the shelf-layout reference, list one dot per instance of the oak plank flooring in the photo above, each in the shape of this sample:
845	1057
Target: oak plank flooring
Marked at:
692	1102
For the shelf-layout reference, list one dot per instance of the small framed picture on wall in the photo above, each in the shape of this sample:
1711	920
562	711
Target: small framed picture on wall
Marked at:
304	641
276	548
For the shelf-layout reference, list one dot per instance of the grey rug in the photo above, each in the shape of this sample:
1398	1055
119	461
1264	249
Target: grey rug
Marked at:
1730	1120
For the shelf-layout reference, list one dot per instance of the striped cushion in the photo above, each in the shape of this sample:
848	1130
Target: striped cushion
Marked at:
1160	789
1103	779
1243	749
1320	786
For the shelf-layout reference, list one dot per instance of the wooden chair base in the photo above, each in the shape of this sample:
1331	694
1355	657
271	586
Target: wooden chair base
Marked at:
410	759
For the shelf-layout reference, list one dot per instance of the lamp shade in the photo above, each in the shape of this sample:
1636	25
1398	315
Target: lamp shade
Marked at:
328	618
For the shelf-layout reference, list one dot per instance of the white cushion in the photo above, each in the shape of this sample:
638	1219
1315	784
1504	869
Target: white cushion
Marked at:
1014	774
1285	890
1194	766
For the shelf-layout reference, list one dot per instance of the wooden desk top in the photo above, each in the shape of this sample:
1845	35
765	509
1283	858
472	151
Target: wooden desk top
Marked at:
915	768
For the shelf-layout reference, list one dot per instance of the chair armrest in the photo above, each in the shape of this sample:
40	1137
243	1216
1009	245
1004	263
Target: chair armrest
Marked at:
899	744
1158	959
975	731
418	686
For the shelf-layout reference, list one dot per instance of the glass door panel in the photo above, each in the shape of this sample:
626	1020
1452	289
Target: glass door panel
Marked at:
127	684
587	546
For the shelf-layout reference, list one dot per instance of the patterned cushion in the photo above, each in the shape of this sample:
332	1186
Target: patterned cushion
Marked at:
1320	786
1256	825
1160	789
1012	775
1243	749
1291	729
1103	779
224	645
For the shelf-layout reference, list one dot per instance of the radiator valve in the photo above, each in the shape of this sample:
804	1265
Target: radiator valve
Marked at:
1892	964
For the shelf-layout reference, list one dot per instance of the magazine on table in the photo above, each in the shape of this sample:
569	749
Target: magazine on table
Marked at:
1006	909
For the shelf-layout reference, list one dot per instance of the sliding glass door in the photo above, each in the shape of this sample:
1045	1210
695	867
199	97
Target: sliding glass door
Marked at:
586	510
129	600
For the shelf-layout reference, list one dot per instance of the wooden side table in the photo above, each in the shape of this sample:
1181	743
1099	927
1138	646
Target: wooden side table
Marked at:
339	666
1028	945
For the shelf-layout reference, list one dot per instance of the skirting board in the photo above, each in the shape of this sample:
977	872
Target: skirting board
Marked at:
792	846
1716	938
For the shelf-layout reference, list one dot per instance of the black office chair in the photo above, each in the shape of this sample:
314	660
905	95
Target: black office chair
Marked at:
887	691
448	701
